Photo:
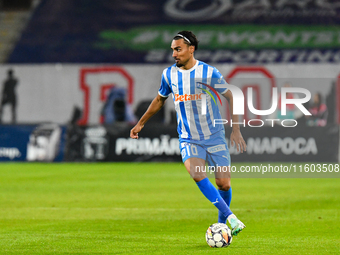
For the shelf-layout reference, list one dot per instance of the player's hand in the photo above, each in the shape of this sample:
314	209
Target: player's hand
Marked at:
237	139
135	130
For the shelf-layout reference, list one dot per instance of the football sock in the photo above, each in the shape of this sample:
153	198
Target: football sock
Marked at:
211	193
226	195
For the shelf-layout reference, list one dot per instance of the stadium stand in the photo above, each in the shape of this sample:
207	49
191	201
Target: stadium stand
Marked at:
11	26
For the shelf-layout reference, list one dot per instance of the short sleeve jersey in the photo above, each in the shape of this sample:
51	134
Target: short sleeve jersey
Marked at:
196	99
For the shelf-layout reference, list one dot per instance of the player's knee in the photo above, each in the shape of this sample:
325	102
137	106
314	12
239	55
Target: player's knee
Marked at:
223	185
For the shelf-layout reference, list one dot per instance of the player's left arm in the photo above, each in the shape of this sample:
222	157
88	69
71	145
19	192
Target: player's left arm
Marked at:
236	136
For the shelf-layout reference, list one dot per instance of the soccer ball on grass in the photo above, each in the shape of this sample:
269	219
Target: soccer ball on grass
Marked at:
218	235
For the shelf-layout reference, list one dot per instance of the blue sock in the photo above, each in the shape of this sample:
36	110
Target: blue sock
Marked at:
211	193
226	195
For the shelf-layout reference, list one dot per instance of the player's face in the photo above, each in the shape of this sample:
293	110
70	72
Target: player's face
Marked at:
181	52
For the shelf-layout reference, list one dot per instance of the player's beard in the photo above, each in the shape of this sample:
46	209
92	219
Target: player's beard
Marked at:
180	63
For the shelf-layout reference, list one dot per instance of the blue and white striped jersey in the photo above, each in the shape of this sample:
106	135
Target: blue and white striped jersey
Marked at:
195	98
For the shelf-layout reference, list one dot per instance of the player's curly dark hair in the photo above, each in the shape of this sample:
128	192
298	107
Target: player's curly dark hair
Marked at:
189	36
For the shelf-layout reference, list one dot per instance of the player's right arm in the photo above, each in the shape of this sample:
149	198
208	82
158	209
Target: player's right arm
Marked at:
154	107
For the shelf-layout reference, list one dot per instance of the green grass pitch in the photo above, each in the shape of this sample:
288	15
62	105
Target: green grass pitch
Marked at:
155	208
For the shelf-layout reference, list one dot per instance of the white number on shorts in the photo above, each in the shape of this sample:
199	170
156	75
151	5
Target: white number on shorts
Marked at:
194	150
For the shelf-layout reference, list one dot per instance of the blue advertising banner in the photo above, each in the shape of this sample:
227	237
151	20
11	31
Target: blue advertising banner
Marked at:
160	143
112	31
13	142
43	142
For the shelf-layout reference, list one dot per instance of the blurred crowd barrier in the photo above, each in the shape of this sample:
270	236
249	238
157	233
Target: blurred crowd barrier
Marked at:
52	142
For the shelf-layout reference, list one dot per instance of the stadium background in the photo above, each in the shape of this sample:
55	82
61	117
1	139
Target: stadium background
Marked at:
87	70
79	62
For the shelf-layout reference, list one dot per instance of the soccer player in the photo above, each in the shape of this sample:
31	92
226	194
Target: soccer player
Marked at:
192	84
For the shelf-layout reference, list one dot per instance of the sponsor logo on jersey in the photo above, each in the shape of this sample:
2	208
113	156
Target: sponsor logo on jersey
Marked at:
186	97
